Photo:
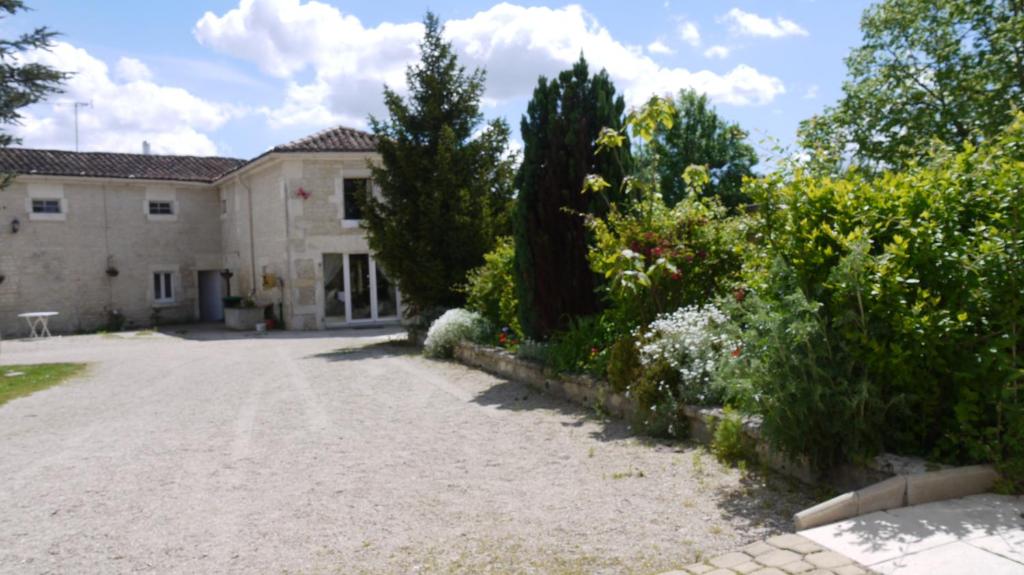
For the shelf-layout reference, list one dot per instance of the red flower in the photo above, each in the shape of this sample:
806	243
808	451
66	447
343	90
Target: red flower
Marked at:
736	352
502	338
740	294
593	351
677	276
656	251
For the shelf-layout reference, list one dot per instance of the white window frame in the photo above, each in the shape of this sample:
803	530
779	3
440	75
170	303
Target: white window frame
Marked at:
158	194
374	317
168	203
339	192
44	201
46	192
175	279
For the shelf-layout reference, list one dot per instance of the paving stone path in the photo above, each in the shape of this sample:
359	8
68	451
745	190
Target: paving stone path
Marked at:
779	555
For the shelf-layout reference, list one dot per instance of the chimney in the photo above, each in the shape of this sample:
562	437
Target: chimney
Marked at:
145	148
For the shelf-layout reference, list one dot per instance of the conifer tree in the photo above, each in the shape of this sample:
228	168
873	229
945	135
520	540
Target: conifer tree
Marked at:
22	84
445	179
554	281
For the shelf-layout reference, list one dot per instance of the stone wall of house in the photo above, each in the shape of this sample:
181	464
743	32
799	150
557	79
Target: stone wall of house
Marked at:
316	228
274	248
60	263
253	242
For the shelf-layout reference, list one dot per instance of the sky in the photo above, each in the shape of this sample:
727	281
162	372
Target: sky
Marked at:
237	77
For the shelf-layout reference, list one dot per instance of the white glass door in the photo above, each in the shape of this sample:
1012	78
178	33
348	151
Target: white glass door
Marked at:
357	290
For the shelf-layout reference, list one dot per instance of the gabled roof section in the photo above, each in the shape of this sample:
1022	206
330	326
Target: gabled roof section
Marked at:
25	161
337	139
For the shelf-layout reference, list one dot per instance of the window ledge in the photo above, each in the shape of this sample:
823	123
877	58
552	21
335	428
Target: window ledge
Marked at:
43	217
162	217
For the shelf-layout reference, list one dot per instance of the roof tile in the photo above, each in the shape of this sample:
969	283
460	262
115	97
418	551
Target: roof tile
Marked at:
337	139
26	161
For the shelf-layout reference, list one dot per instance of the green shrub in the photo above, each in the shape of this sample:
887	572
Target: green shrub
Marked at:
814	400
531	350
583	347
453	326
887	313
658	407
490	289
677	358
624	367
658	259
730	444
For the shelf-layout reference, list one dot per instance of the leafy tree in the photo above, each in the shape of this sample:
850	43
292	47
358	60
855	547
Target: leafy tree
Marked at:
445	179
562	122
22	84
699	136
945	70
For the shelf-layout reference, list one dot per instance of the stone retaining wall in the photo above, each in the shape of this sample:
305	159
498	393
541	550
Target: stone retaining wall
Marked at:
592	393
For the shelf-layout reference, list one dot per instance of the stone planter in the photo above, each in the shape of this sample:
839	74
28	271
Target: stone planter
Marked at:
242	318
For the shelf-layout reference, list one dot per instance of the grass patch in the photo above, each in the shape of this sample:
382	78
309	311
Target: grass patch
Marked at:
21	380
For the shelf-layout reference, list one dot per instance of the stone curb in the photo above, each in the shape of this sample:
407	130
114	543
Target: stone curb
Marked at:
592	393
900	491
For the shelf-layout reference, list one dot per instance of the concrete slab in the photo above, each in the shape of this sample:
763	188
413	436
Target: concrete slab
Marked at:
976	534
1010	545
956	557
877	537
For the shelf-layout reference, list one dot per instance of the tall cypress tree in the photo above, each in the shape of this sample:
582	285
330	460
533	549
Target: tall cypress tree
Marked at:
562	122
445	180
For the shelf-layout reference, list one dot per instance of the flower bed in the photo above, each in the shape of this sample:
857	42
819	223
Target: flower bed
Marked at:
593	393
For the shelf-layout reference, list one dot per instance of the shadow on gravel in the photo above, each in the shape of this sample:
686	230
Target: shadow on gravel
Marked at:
377	350
765	499
217	332
514	396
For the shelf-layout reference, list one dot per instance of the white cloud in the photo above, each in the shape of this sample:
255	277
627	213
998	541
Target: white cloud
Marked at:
351	62
811	93
720	52
659	47
133	70
749	24
689	33
122	113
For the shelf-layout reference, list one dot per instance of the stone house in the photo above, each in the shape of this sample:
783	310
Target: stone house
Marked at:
164	238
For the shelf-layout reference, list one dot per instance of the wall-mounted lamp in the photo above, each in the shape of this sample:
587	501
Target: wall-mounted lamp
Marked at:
15	225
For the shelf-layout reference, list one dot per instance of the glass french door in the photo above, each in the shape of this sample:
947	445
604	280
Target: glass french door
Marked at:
356	290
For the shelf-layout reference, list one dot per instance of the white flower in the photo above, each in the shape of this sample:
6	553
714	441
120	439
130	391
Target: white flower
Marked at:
451	328
689	342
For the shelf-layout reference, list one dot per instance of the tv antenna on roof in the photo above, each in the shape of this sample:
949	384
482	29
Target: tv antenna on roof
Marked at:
77	106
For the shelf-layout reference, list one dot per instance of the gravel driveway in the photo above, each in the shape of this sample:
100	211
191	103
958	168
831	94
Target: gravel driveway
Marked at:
340	452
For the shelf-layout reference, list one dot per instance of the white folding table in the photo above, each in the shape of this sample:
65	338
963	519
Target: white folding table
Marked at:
38	322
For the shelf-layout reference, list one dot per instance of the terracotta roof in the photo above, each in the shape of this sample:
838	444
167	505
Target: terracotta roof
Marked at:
27	161
337	139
